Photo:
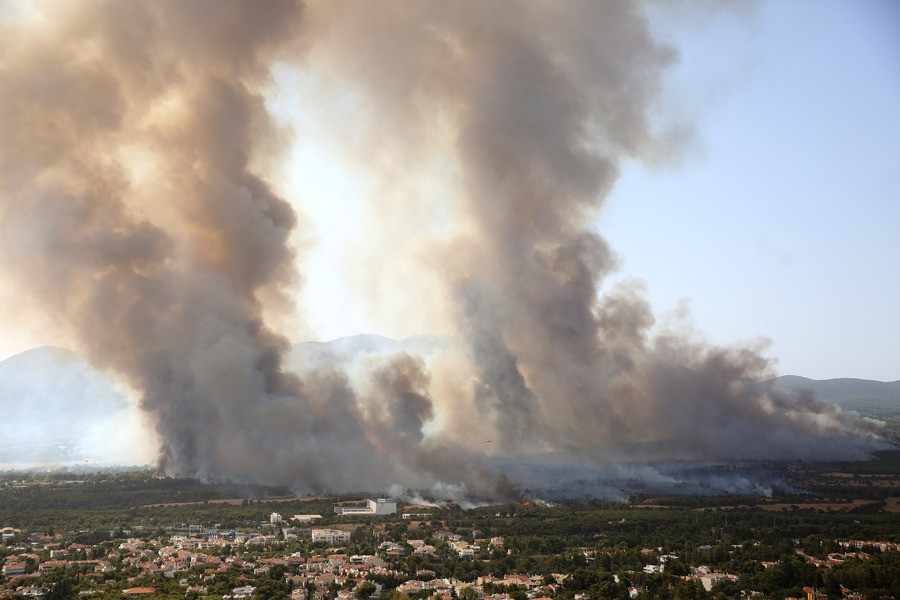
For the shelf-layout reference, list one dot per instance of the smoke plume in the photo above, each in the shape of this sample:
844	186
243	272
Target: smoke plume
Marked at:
136	209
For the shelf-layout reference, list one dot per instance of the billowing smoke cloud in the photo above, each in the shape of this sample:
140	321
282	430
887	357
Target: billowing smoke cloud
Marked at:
135	207
536	104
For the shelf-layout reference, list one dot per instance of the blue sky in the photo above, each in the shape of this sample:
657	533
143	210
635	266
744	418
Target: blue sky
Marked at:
782	219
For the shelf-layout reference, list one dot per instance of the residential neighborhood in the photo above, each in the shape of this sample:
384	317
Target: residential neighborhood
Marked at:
319	564
228	548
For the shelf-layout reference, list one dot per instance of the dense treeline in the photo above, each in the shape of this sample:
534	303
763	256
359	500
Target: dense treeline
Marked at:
67	502
112	501
121	490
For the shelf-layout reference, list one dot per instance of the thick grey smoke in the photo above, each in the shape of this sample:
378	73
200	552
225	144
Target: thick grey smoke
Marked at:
159	277
135	209
536	104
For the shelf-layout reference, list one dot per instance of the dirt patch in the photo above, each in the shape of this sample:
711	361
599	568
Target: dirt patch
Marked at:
868	479
229	501
818	507
852	475
236	501
892	505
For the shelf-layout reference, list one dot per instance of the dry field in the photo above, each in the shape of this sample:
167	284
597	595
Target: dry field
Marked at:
817	506
892	505
861	480
235	501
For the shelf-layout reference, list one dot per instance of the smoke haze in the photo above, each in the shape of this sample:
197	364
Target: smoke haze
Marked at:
139	212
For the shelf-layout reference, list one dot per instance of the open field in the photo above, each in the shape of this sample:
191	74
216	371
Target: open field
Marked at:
817	506
233	501
892	505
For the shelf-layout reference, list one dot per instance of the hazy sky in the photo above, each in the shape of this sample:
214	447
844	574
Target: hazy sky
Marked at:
779	221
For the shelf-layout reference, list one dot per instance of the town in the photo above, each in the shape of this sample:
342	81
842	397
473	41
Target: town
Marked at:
64	537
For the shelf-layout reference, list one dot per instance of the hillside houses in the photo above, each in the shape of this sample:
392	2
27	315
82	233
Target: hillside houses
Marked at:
240	564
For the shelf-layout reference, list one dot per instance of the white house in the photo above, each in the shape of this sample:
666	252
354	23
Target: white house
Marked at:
330	535
307	518
379	506
12	568
382	506
242	592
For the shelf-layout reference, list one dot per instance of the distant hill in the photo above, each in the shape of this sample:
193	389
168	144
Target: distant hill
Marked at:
57	408
879	399
44	381
346	352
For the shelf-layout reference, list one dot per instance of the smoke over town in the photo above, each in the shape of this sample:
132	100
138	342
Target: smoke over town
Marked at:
139	215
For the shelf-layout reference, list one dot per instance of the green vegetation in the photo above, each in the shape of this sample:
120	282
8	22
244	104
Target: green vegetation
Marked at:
893	425
101	533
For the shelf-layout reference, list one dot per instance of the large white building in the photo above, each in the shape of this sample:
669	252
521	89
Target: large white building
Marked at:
307	518
330	535
380	506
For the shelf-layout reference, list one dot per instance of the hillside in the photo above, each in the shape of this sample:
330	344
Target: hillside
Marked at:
878	399
57	408
346	352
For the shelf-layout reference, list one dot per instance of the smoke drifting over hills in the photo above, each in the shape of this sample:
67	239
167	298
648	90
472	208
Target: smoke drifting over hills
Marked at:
136	211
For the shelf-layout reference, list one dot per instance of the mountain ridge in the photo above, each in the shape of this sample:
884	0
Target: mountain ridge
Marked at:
869	397
57	406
